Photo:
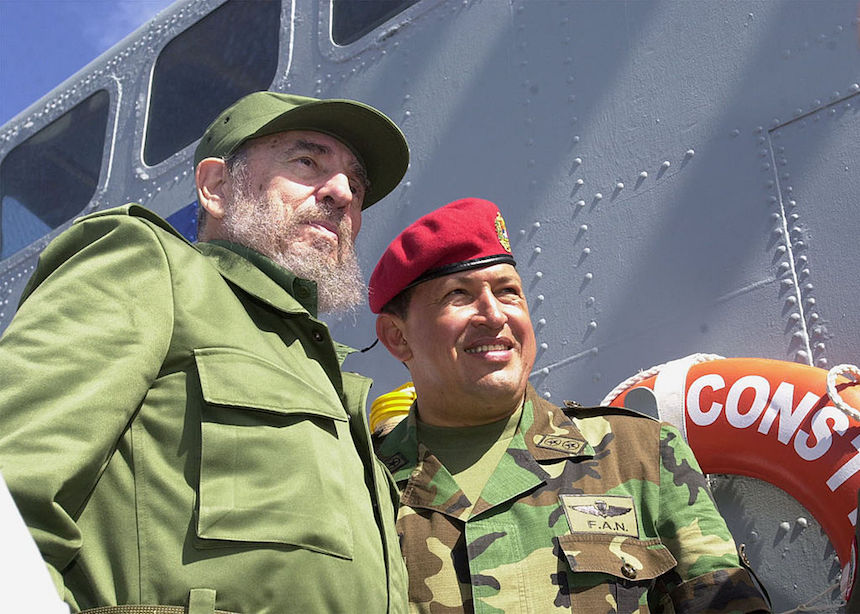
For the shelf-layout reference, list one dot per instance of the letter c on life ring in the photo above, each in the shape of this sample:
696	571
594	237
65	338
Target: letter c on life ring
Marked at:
771	420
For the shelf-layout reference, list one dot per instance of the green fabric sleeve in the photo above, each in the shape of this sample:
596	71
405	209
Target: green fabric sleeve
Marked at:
75	364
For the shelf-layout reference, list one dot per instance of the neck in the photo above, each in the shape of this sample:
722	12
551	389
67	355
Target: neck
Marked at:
465	413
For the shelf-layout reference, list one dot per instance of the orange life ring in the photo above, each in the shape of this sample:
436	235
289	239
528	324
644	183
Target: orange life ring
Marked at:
771	420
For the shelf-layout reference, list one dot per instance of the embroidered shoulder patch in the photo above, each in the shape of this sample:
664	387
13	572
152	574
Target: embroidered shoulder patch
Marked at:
560	444
612	514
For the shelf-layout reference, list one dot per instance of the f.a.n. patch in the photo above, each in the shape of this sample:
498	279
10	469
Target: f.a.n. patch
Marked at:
611	514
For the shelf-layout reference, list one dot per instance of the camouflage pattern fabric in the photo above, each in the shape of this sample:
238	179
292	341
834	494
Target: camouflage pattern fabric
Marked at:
590	510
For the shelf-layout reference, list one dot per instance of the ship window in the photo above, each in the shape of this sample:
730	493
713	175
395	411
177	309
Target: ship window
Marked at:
352	19
49	178
231	52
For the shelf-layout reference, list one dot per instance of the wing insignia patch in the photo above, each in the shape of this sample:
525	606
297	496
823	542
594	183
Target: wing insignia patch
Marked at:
608	514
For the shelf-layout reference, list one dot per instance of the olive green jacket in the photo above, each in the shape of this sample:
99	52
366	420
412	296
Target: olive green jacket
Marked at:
590	510
172	418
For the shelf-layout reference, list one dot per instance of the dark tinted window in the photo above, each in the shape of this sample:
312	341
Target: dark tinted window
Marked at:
231	52
352	19
49	178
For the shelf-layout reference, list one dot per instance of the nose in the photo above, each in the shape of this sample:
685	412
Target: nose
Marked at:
489	311
335	189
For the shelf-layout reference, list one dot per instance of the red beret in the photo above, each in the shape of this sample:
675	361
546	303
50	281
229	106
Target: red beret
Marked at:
465	234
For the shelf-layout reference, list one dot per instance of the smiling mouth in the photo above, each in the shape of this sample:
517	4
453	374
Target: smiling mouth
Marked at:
495	347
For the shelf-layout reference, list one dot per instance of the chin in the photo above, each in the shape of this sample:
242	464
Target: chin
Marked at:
497	385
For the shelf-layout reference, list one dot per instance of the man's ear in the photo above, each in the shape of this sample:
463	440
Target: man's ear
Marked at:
389	330
211	179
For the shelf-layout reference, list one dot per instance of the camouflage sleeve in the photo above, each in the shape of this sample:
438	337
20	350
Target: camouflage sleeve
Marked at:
725	591
708	577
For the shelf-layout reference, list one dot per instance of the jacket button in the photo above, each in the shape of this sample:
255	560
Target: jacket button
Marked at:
317	335
627	571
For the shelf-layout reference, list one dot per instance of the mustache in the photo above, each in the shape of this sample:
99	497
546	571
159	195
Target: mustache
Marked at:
323	212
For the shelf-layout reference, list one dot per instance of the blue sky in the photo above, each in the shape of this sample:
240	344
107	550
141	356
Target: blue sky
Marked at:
43	42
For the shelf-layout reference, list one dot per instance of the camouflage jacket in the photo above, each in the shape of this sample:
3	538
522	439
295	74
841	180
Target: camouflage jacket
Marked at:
589	510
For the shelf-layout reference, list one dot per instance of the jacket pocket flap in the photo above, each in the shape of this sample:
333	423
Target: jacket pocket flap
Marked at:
239	379
625	557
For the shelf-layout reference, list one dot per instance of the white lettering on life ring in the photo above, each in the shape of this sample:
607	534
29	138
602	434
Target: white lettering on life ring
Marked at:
821	432
846	471
779	408
762	391
694	409
790	417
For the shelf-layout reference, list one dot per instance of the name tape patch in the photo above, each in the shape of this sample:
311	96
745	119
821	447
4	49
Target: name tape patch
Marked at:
560	444
393	463
611	514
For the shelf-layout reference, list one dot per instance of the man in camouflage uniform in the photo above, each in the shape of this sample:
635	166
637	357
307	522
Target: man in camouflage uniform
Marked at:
508	503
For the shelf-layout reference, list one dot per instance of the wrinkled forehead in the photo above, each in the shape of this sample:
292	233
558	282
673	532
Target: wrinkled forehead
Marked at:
311	140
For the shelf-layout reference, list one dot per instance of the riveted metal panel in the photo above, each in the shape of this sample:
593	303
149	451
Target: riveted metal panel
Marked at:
673	175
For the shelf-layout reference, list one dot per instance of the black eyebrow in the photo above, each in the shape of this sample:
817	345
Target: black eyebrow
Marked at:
308	146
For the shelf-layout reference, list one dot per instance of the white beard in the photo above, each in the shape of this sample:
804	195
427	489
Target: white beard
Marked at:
268	228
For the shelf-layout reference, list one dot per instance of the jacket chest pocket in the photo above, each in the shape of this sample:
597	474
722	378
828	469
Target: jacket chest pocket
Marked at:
613	570
272	446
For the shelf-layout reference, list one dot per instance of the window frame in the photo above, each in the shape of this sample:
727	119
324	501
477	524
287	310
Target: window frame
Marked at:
43	116
148	172
374	38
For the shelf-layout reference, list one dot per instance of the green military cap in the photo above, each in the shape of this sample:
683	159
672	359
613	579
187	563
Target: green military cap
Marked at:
375	140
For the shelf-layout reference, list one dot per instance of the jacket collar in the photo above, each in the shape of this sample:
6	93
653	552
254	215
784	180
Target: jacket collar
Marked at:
545	434
261	277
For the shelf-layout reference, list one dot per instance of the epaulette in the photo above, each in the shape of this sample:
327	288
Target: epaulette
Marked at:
577	410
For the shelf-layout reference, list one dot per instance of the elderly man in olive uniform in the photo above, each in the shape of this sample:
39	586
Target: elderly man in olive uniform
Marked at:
174	423
508	503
